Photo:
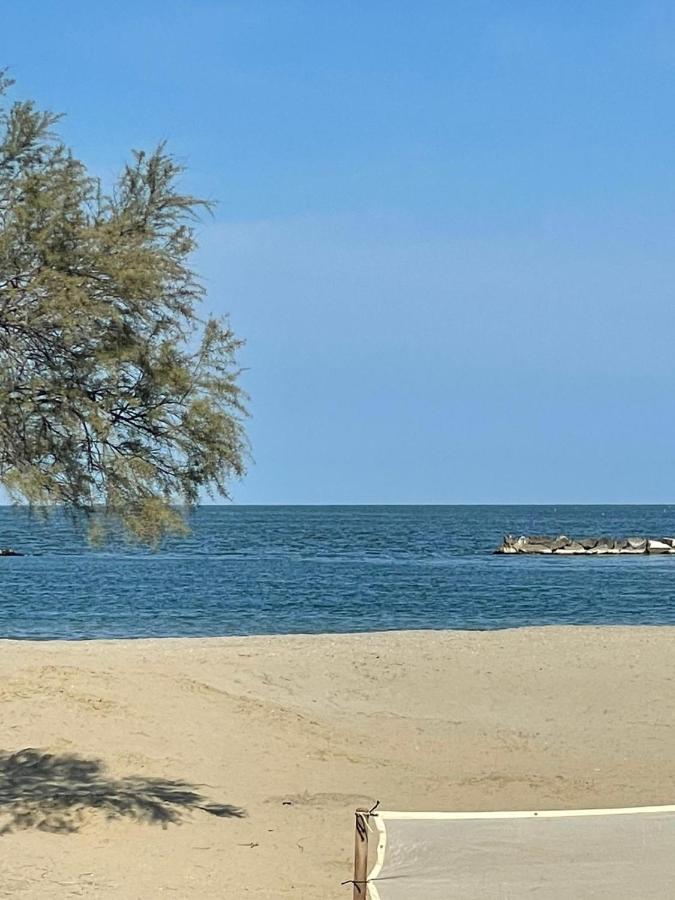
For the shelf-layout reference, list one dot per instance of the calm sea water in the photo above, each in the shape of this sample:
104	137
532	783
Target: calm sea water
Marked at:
257	570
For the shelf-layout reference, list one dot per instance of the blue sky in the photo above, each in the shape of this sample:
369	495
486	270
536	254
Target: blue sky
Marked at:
445	229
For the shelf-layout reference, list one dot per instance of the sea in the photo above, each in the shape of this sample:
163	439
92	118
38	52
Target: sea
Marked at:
306	569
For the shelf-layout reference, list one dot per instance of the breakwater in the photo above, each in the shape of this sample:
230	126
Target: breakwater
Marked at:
594	546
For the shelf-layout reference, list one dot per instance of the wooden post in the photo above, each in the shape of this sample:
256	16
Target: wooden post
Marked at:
361	855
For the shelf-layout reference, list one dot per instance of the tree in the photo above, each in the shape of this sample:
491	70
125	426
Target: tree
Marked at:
114	393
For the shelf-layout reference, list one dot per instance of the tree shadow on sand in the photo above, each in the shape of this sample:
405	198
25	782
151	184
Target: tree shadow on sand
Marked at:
53	793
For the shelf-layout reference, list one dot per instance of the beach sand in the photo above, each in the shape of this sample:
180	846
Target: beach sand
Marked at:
298	731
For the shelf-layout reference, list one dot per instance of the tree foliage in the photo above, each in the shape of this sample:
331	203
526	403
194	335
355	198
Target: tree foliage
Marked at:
113	391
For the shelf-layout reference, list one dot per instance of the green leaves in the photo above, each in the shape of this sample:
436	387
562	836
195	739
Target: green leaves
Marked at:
113	392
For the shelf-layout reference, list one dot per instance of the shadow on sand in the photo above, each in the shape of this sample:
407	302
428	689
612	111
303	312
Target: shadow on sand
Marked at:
53	792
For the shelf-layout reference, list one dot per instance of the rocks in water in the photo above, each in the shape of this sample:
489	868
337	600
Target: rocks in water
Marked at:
602	546
635	545
588	543
531	544
534	544
7	551
571	549
508	545
659	546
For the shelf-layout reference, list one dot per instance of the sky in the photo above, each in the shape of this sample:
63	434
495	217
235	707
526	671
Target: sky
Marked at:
446	230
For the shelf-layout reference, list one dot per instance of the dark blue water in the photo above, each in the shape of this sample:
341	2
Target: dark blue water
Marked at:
253	570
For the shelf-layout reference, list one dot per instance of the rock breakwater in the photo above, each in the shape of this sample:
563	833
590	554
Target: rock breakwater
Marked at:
595	546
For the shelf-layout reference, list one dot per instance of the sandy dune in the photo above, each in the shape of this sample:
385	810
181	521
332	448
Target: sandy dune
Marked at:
297	731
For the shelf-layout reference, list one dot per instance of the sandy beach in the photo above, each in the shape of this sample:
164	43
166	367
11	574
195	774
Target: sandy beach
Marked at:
231	767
